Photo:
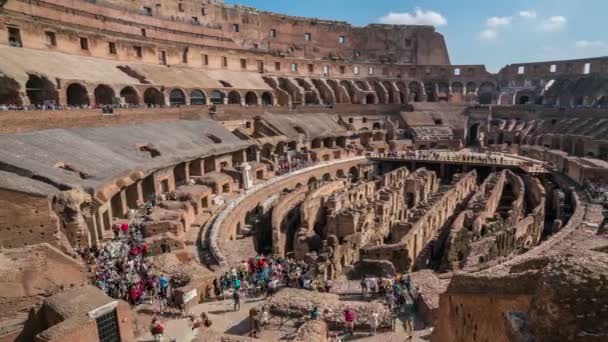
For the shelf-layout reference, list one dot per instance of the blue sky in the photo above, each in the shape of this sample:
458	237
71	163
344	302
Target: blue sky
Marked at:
490	32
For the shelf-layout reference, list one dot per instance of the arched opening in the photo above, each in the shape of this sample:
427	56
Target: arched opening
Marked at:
523	100
77	95
443	92
41	91
9	91
266	99
415	92
153	97
457	88
129	96
177	97
312	180
390	89
349	89
327	177
362	85
234	97
377	126
217	97
251	98
486	93
104	95
370	99
197	98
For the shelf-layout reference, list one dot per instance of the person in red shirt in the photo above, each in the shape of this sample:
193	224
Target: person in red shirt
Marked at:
135	250
144	248
349	319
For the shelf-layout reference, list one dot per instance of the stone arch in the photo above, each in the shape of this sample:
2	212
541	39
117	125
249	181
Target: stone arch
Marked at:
415	92
129	96
362	85
104	95
443	92
340	92
77	95
234	97
486	93
403	92
40	90
471	87
431	91
197	98
153	97
391	93
349	89
312	180
177	97
217	97
9	91
327	177
524	97
251	98
267	99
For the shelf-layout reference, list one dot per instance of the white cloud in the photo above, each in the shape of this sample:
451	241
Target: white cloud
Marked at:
552	24
527	14
418	17
584	44
488	34
499	21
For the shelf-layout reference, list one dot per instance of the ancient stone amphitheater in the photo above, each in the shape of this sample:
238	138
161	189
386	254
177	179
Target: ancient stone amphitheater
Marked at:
220	133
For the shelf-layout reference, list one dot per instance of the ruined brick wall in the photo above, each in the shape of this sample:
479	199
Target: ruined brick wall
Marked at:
26	121
473	307
27	220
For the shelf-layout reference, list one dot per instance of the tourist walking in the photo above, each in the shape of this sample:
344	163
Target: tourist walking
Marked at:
237	300
349	319
374	321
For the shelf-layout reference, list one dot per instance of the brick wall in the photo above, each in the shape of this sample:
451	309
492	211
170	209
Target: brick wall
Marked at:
26	220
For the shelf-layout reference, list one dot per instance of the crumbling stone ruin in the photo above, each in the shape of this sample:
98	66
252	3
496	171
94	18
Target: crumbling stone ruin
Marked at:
199	139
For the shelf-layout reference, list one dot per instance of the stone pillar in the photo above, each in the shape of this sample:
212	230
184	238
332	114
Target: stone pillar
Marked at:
246	173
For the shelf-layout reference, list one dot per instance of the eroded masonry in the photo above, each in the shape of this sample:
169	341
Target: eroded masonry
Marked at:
158	159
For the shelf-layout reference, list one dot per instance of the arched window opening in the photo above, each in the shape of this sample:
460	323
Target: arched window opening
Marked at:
129	96
251	98
153	97
77	95
234	97
197	98
266	99
177	98
104	95
41	91
216	97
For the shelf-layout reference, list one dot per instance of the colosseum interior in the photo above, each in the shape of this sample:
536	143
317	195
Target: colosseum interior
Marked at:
319	165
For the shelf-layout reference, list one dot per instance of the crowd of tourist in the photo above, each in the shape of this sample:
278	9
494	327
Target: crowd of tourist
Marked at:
459	157
265	274
50	106
285	165
120	268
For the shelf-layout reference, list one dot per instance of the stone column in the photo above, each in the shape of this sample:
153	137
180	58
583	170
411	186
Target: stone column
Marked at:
246	173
